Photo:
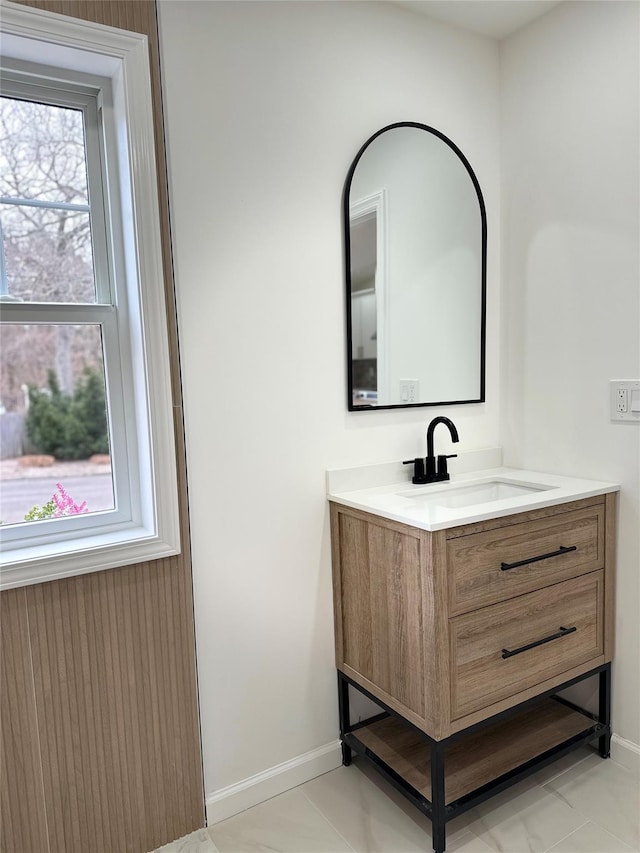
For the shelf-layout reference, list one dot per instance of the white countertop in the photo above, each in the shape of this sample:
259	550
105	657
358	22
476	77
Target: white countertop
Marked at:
464	499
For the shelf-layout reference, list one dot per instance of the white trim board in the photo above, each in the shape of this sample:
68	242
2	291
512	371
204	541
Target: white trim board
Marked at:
228	801
625	752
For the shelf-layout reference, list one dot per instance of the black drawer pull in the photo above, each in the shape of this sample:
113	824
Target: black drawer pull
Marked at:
561	550
509	653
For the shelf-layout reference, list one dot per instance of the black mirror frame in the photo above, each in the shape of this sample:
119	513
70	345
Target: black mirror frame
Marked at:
347	258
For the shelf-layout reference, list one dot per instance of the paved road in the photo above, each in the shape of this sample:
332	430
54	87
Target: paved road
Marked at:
18	496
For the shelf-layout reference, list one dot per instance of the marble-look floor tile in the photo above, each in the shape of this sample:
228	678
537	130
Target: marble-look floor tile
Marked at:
606	793
289	823
591	839
454	827
371	815
467	842
365	816
622	752
518	789
551	771
587	805
196	842
530	822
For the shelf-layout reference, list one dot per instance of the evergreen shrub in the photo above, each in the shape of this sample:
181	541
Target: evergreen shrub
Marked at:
69	426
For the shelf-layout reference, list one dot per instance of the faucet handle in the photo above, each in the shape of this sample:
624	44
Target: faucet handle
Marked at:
419	477
443	474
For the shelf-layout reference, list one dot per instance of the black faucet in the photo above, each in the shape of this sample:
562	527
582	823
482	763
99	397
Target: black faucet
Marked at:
426	470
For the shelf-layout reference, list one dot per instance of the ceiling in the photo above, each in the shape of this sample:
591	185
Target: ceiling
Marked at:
494	18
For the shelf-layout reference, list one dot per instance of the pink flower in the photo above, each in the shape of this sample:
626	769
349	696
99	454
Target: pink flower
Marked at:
65	505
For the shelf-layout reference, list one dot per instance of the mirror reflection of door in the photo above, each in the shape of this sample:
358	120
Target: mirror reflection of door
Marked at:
367	243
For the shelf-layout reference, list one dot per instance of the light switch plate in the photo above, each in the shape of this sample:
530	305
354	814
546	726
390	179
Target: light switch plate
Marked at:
409	390
624	400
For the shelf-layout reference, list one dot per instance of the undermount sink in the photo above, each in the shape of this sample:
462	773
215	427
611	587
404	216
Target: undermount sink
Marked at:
477	495
454	497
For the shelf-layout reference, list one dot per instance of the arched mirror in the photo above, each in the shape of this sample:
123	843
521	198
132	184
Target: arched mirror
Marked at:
415	247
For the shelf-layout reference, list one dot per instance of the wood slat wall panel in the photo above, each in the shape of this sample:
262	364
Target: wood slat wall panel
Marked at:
23	823
108	664
103	748
136	15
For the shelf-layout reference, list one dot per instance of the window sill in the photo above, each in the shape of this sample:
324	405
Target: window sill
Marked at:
92	553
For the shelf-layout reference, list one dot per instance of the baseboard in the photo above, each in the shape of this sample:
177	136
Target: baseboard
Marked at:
276	780
256	789
625	752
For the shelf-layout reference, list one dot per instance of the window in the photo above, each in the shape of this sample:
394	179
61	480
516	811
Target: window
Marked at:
83	342
58	326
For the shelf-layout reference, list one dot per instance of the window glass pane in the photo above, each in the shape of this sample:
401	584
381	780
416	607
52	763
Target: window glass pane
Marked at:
44	217
42	152
53	423
48	255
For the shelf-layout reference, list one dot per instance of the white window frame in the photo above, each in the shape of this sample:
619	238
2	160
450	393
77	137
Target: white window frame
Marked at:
145	524
110	286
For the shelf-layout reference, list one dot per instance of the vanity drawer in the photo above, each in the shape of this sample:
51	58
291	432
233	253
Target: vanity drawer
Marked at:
498	651
490	566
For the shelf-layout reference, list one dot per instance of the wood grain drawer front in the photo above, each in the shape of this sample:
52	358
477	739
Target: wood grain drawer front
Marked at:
497	651
487	567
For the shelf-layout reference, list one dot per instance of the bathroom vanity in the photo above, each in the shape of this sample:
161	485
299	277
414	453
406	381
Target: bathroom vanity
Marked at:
462	610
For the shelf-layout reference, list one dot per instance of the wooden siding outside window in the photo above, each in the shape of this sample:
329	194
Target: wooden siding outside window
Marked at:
100	730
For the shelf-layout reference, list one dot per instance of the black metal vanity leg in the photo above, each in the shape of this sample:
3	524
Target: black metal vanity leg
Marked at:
604	710
438	819
344	716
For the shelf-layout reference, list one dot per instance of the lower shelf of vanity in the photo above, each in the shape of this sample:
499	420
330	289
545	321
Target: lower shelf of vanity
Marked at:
478	760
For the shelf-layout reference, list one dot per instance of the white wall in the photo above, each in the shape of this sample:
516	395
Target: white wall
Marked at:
571	275
266	106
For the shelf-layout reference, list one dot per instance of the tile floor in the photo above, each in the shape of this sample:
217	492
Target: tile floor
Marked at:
581	804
